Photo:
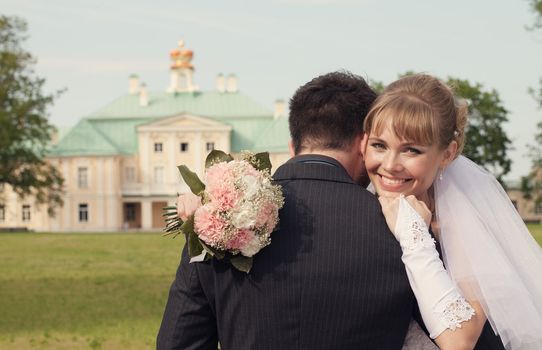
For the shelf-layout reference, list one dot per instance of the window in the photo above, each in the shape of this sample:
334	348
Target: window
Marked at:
82	177
538	208
129	174
210	146
184	147
83	212
2	213
26	212
158	175
158	147
130	214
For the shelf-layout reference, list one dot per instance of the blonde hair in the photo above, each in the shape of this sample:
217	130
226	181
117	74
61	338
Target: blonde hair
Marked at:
422	109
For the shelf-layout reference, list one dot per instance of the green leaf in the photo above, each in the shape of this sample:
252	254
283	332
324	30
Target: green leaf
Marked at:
241	263
264	163
217	156
213	251
194	246
192	180
169	213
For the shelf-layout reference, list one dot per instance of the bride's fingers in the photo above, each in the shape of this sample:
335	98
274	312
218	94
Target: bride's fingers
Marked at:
390	209
420	207
180	208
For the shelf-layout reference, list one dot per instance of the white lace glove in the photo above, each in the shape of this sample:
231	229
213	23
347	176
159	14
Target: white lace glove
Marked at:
441	304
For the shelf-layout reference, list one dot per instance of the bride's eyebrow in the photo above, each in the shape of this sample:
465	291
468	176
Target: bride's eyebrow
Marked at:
373	139
412	144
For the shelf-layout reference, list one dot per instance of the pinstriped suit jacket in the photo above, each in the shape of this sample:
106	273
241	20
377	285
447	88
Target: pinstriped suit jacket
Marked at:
332	277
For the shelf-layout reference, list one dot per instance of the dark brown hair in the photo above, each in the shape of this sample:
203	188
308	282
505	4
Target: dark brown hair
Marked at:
328	111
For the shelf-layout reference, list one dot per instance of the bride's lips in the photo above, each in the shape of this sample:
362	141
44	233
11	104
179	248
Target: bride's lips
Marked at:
392	184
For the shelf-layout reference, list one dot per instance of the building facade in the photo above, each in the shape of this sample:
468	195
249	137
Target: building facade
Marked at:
120	162
529	209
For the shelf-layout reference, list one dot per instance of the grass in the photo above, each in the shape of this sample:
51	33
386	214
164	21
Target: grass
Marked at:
84	291
536	230
88	291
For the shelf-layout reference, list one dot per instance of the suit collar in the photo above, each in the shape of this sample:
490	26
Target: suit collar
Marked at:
314	167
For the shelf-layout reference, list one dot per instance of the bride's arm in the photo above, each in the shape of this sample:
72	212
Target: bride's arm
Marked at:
467	336
452	321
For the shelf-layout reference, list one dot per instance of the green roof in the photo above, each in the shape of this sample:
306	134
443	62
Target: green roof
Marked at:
112	129
275	137
162	104
84	139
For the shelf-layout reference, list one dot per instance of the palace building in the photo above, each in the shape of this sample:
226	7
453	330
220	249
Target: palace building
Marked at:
120	162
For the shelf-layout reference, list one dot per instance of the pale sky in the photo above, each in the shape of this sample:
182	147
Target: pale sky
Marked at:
274	46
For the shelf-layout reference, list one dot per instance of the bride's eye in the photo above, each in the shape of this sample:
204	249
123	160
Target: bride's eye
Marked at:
413	150
378	145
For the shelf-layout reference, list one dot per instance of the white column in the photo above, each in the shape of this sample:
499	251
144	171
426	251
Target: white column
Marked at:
171	167
112	209
146	215
199	158
144	161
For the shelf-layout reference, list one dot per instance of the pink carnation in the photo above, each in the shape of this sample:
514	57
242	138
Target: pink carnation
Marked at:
220	186
240	239
265	214
251	171
209	225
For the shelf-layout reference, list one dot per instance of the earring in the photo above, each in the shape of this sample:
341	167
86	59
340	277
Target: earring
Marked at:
440	174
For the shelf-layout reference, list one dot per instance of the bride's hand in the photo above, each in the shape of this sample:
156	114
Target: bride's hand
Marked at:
390	208
187	204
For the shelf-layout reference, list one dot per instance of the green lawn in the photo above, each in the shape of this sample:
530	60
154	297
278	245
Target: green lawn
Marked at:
88	291
536	230
84	291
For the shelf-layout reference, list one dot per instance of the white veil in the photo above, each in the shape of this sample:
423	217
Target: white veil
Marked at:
489	252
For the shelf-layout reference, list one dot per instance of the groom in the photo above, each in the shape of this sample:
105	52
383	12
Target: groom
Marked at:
332	277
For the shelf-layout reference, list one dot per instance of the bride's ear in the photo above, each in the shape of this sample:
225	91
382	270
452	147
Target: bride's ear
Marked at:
449	154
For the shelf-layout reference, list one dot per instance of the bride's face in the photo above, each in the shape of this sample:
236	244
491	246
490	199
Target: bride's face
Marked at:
398	166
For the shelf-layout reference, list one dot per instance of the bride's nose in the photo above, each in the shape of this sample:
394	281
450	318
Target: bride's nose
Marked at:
392	162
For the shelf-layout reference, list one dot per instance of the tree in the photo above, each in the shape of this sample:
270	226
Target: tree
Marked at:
25	132
486	142
536	7
531	184
376	85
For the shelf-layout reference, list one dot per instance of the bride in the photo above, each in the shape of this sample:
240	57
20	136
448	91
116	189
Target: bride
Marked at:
492	266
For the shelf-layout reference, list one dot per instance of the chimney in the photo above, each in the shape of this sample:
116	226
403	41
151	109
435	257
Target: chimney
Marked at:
133	84
220	84
143	96
231	83
280	109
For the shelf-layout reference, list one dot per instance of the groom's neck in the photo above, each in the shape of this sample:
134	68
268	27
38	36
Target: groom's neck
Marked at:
351	161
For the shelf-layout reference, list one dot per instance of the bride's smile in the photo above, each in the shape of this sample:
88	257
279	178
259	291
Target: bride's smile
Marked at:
396	165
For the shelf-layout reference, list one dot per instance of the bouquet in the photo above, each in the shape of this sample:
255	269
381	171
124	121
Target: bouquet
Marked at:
239	211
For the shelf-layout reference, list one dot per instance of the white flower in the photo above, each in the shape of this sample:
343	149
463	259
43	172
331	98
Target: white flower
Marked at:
252	247
251	186
243	216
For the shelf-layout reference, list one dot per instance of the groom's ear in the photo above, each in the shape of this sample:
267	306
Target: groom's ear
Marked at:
291	148
363	144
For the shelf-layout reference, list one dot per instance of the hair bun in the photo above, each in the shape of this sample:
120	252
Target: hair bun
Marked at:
462	111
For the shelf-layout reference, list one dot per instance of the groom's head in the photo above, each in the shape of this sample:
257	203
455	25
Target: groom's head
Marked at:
327	114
